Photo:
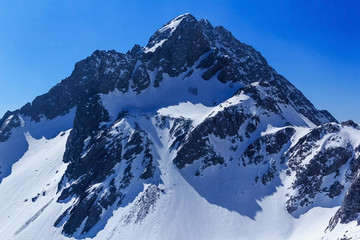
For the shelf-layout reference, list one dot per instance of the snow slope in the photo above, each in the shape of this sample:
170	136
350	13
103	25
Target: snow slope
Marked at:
28	195
179	212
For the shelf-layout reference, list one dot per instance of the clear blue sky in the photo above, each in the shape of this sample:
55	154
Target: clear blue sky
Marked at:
314	44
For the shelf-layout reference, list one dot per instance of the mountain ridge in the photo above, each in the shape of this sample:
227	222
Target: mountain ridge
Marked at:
97	55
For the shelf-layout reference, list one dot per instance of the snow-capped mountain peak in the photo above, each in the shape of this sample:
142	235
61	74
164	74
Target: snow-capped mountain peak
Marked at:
197	124
164	33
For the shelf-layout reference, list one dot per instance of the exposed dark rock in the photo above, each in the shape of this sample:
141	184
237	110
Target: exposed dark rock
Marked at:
309	176
141	79
224	123
269	175
272	144
133	146
350	208
86	123
148	163
351	123
158	78
95	164
180	130
9	121
183	46
79	213
335	189
144	205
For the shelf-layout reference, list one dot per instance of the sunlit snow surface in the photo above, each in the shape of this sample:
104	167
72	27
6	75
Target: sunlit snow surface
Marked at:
173	91
221	204
15	147
28	195
29	210
180	214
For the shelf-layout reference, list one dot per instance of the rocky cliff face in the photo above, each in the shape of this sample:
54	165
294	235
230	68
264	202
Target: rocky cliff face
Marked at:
197	100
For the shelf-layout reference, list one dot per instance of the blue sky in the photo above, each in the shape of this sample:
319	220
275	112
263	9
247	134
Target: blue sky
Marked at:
314	44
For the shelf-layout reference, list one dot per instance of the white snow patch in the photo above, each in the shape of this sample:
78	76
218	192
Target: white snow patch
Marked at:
172	91
196	112
27	195
153	48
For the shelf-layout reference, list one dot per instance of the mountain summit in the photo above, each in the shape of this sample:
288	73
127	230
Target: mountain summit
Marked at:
192	136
